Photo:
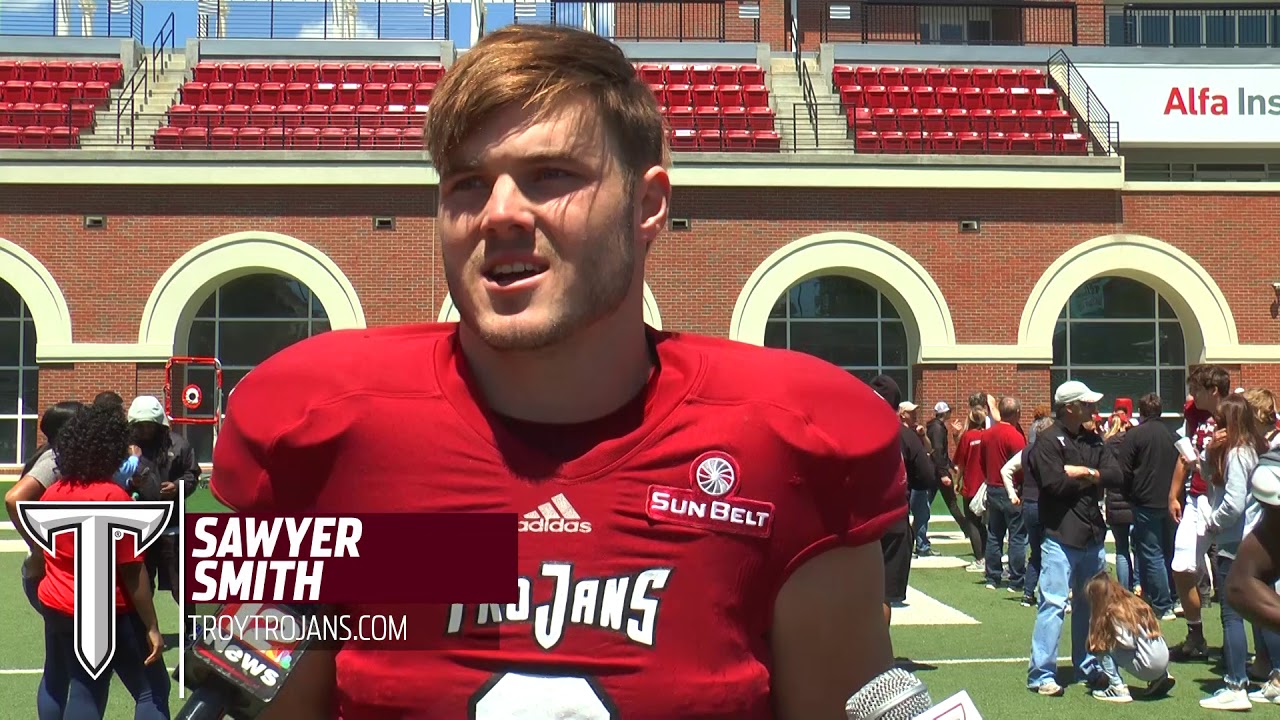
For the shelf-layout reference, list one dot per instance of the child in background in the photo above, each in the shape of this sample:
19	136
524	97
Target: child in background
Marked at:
1124	633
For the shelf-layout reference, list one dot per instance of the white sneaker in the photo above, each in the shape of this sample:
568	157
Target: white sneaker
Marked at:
1050	689
1227	699
1114	693
1269	693
976	566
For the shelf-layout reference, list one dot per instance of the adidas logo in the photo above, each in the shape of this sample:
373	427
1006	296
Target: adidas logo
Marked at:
555	516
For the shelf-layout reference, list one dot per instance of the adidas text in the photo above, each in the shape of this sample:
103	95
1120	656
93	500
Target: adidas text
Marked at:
558	525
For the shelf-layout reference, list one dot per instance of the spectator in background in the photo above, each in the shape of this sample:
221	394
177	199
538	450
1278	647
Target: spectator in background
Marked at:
936	432
969	473
896	542
1028	492
123	476
1041	412
1002	441
921	497
167	464
1147	458
1072	467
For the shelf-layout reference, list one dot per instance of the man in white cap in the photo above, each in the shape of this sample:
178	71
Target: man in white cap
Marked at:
168	464
1072	467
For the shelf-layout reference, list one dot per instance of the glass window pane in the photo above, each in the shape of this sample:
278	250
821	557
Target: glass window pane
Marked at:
1173	390
1109	343
200	341
10	301
888	309
1166	310
209	308
865	374
30	392
264	296
319	326
841	343
201	439
30	438
780	308
10	343
1060	343
1172	348
1057	376
249	342
9	442
834	296
229	380
901	376
1113	298
317	307
9	393
775	334
29	343
893	348
1114	384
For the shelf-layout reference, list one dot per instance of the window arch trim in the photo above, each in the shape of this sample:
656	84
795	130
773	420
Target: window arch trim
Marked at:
186	284
43	298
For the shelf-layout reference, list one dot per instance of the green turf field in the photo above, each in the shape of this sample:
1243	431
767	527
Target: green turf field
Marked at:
970	638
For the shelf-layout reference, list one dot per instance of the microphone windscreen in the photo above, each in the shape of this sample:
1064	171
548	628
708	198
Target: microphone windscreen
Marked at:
892	695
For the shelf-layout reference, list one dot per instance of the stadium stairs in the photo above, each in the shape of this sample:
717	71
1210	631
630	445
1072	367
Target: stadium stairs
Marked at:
162	92
793	122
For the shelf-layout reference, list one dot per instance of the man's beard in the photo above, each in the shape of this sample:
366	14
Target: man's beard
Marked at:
602	285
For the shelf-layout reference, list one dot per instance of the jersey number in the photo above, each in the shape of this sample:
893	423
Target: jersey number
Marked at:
507	696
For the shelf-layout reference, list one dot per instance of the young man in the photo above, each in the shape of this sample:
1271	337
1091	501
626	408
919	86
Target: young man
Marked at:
1207	385
551	390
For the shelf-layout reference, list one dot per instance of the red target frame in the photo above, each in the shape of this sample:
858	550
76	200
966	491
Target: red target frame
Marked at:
183	361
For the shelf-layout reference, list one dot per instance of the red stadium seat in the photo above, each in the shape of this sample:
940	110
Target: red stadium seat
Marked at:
305	138
356	73
251	138
256	73
231	72
245	93
405	73
9	71
205	72
767	140
35	136
56	71
271	93
867	141
383	73
168	138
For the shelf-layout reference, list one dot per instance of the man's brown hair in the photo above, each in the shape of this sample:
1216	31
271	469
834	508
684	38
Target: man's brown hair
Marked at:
539	67
1210	377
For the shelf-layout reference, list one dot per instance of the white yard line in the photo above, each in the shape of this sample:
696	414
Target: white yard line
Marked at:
976	661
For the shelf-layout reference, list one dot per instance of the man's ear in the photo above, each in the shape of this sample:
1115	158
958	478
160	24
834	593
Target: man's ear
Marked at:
653	204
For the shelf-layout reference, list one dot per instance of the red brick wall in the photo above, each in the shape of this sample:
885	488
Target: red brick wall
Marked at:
696	275
700	21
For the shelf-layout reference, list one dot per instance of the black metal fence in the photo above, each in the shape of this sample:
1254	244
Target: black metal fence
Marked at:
669	20
949	23
1082	101
1184	25
102	18
325	19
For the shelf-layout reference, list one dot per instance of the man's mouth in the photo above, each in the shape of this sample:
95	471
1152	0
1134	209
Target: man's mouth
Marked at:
511	273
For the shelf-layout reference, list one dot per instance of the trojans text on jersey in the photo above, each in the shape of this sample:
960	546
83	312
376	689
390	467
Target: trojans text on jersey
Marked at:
627	604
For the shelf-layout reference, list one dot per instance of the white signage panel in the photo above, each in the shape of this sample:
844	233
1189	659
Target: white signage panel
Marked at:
1189	104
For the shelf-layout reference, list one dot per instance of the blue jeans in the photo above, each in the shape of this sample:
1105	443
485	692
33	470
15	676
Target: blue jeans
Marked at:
1003	517
1035	537
1064	568
1152	533
87	697
1235	646
921	505
1124	555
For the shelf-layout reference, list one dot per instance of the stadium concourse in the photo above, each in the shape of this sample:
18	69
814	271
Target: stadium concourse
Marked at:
962	196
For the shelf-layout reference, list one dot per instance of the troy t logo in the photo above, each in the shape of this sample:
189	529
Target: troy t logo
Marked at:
96	527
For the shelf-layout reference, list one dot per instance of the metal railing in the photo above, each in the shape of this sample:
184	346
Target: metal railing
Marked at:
967	136
150	68
661	20
114	18
1002	22
1185	25
806	85
1082	101
324	19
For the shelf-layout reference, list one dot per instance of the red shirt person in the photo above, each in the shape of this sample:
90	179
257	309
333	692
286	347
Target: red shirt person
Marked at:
551	399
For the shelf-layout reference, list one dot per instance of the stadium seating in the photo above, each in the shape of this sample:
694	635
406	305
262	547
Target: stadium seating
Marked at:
956	110
47	103
713	108
377	106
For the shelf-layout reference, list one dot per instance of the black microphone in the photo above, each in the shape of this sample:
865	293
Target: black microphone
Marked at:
892	695
239	659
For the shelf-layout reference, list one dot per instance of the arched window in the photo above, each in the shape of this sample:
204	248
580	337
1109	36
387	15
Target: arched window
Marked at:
19	384
241	324
1123	340
845	322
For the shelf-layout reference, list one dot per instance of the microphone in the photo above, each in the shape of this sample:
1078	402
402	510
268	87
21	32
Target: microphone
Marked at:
238	661
892	695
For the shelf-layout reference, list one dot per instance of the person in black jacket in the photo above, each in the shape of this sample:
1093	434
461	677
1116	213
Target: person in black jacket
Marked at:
1147	457
939	436
896	544
167	466
1072	467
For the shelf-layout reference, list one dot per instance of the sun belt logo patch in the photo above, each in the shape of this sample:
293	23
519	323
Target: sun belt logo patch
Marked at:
711	502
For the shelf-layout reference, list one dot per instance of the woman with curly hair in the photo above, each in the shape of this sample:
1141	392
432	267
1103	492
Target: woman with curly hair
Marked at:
89	450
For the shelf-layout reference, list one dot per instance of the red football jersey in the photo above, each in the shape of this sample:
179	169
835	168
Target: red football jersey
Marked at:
649	563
